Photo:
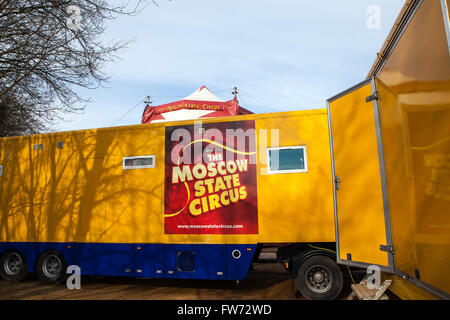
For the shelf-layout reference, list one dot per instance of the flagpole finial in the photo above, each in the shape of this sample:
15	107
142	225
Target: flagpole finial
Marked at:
235	91
148	101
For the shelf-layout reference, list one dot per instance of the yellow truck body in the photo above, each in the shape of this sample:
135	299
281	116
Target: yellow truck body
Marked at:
81	193
71	191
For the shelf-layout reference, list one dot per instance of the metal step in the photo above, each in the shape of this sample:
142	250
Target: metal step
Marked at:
362	291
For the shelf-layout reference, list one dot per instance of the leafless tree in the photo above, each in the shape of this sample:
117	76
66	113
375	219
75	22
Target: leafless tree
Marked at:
48	49
18	117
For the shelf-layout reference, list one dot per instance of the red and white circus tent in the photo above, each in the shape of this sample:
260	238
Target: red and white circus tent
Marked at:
200	104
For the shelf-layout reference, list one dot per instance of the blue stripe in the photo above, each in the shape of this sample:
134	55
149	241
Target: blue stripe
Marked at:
204	261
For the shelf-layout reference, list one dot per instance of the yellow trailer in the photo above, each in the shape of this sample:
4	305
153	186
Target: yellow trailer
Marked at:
390	142
139	201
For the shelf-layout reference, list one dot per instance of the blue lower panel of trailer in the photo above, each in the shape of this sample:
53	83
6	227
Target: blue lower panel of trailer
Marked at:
105	259
182	261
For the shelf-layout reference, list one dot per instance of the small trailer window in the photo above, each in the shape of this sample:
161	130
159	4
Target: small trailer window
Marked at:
286	159
139	162
1	171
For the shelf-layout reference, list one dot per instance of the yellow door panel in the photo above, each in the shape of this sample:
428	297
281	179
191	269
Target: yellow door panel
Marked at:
414	90
360	217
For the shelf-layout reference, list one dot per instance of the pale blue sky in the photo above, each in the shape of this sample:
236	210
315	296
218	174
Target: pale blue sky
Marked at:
282	55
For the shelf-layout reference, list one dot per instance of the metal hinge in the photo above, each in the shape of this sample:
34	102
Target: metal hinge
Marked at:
374	96
389	248
337	182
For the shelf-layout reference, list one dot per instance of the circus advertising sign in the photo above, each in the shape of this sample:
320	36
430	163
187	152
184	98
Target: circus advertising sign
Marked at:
210	179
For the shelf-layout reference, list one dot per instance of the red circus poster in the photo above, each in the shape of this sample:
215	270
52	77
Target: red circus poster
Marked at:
210	179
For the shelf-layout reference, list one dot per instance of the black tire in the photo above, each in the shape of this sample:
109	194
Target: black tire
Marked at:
320	278
51	267
13	265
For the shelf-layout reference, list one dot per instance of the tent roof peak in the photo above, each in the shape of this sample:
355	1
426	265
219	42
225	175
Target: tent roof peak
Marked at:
203	94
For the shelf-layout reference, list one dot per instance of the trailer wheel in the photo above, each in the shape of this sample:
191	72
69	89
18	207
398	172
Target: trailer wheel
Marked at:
320	278
13	265
51	267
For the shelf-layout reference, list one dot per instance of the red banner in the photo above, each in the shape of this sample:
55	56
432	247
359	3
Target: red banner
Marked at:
210	184
229	108
186	104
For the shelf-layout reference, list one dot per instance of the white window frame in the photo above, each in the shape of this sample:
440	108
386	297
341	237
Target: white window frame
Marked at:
287	171
138	167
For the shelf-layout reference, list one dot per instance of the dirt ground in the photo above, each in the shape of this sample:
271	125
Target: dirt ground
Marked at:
266	282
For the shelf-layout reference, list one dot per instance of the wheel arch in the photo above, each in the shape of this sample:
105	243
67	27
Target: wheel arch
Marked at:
303	256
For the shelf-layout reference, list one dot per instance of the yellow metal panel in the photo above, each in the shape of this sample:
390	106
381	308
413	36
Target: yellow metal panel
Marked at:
135	204
81	192
360	212
406	290
297	207
414	87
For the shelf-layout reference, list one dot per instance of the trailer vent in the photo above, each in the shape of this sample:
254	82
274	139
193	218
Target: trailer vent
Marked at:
38	146
139	162
185	261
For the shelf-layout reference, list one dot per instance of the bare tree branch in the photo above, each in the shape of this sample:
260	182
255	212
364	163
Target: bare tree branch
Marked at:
44	58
